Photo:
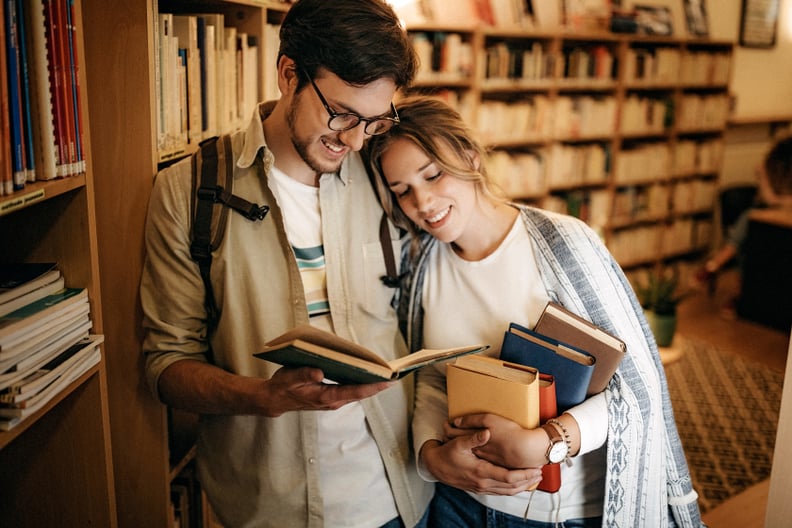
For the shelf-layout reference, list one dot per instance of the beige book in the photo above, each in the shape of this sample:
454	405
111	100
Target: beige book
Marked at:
482	384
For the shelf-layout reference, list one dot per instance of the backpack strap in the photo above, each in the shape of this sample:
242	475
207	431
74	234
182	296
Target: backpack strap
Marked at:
392	278
213	180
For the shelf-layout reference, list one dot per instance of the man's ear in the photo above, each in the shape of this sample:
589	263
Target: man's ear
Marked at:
287	75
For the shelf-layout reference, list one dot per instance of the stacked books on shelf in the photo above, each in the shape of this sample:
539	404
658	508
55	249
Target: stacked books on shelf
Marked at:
45	342
206	75
41	118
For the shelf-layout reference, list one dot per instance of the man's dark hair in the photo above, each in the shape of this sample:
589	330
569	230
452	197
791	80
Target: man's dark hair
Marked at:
360	41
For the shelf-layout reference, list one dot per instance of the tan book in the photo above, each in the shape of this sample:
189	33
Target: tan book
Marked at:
482	384
343	361
559	323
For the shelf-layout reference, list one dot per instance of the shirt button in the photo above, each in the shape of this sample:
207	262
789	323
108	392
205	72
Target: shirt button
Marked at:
312	460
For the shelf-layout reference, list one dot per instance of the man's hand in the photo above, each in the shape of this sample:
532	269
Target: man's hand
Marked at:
202	388
299	389
454	463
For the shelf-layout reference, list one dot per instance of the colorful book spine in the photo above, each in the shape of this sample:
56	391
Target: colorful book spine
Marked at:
24	60
75	87
57	105
43	122
6	174
18	154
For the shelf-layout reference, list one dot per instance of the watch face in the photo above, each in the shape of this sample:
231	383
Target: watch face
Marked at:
558	452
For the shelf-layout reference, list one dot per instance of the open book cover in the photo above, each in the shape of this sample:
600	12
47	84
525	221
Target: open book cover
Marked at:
561	324
482	384
343	361
570	366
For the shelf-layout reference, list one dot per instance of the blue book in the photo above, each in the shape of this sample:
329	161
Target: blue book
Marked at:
30	166
571	367
18	153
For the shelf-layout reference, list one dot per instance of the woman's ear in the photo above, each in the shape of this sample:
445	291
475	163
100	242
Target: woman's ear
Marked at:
475	159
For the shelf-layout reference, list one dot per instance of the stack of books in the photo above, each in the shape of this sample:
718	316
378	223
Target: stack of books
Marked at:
45	340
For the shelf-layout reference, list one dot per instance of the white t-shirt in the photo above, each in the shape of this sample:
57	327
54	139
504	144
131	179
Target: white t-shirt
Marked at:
474	302
355	488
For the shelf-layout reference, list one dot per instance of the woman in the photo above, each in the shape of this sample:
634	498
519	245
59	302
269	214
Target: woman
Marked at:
477	263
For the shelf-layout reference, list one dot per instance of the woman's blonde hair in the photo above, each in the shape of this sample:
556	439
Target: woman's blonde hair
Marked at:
441	133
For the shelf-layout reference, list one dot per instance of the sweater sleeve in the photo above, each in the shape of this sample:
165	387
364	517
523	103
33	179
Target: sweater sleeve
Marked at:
431	410
592	419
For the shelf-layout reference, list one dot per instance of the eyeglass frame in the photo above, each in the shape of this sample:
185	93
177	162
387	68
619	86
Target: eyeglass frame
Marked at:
368	120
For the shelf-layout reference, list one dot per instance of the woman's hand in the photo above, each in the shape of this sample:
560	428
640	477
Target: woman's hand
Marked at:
509	445
455	463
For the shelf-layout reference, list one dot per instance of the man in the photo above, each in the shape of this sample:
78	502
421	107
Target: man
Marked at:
279	447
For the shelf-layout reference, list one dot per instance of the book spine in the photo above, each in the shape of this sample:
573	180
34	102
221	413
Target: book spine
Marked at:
15	98
64	80
54	89
6	174
43	118
75	86
24	59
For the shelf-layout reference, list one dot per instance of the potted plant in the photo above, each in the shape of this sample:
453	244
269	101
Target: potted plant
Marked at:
659	296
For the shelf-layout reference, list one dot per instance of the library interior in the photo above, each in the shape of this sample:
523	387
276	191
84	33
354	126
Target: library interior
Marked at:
665	126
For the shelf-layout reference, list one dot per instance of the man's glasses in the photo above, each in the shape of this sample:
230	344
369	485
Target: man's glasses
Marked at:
349	120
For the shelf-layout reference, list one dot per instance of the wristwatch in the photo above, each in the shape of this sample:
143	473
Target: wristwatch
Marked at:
558	449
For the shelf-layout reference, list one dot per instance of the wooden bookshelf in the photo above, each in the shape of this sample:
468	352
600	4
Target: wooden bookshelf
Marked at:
639	157
153	446
57	463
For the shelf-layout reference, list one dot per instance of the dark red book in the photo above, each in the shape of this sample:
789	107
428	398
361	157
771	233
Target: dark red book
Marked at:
551	473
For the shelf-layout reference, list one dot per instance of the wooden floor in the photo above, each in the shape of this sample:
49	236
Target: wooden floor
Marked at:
701	318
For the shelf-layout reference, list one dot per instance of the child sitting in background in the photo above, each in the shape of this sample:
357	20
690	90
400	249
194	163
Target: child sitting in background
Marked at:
775	190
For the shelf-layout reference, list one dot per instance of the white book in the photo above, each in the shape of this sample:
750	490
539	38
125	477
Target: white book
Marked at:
12	417
9	355
46	154
34	383
32	296
22	323
20	278
41	356
185	28
270	54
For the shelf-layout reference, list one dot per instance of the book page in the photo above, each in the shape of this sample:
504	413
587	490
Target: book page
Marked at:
427	356
311	334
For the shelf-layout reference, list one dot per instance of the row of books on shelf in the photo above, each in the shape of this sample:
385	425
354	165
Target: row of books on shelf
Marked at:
645	162
523	174
442	56
646	243
671	65
41	126
541	117
45	339
206	77
512	14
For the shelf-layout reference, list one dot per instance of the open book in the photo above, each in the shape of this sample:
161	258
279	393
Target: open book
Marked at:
343	361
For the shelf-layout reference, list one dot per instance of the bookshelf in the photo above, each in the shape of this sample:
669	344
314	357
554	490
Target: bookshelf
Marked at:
625	131
153	447
63	451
